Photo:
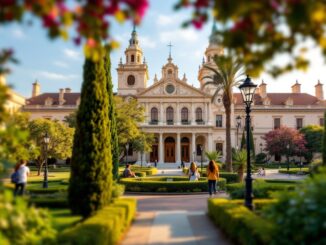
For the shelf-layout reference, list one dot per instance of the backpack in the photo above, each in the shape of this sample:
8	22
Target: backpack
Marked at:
14	177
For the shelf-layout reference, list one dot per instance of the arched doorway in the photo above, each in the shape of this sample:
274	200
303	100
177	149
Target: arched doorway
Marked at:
154	153
169	149
185	143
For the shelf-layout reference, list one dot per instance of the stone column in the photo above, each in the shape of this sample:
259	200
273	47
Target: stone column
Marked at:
178	155
206	109
161	114
178	120
193	146
209	142
209	113
147	114
160	155
193	116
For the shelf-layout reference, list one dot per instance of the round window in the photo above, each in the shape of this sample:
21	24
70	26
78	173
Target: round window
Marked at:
131	80
169	89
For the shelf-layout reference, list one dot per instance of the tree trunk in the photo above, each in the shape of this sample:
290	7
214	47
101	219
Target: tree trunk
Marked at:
228	158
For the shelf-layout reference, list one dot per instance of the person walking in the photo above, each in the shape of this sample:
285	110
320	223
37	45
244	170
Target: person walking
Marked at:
212	176
22	172
193	172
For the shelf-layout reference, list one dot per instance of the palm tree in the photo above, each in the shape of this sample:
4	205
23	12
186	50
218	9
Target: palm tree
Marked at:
226	75
240	161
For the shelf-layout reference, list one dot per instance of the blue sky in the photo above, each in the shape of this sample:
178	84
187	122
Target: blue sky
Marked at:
57	64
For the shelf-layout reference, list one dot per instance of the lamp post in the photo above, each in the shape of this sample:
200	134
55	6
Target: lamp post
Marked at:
287	156
238	119
261	147
201	158
127	150
247	89
46	140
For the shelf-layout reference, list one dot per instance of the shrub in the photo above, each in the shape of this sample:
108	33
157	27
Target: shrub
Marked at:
20	224
315	165
295	171
261	189
260	158
300	215
105	227
243	225
158	184
117	190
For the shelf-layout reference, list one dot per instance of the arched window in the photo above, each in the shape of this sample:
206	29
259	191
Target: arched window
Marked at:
154	115
127	58
132	58
170	72
131	80
169	115
184	114
199	115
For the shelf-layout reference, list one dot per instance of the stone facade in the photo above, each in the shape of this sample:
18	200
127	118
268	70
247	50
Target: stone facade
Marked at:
184	118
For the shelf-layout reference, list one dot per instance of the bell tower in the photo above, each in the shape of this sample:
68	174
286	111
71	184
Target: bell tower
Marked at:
214	49
133	74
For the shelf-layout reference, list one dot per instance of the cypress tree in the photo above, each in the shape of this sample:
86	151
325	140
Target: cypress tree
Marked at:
91	167
324	140
112	117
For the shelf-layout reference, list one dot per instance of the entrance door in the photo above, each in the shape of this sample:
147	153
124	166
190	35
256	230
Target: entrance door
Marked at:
185	149
169	148
154	153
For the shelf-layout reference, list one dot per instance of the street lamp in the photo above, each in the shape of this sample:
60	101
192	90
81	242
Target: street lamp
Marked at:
46	140
247	89
201	158
261	147
287	156
238	119
127	150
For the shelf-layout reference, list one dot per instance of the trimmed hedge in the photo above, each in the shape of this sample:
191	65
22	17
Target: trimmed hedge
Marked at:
162	184
261	189
304	171
243	225
105	227
230	177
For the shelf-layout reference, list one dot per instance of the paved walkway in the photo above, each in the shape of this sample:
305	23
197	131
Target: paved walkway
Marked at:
174	219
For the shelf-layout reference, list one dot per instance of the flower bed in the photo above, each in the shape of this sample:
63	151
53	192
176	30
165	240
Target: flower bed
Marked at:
168	184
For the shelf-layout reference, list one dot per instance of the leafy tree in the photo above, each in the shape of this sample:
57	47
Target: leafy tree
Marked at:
70	120
313	136
90	185
115	151
285	142
61	137
143	143
258	31
129	115
227	74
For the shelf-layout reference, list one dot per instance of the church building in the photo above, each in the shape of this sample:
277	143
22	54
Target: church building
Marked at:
184	119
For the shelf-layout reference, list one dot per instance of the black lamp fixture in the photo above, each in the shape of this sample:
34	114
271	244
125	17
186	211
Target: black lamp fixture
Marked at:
247	89
238	121
46	140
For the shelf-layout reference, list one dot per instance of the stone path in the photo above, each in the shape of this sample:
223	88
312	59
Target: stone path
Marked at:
173	219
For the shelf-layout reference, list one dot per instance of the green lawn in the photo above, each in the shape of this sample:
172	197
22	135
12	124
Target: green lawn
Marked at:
52	176
62	218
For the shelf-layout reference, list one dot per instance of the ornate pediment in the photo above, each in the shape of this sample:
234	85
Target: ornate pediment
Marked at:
172	88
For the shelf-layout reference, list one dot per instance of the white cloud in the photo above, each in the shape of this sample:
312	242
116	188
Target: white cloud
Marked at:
179	35
72	54
168	20
18	33
60	64
146	42
56	76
